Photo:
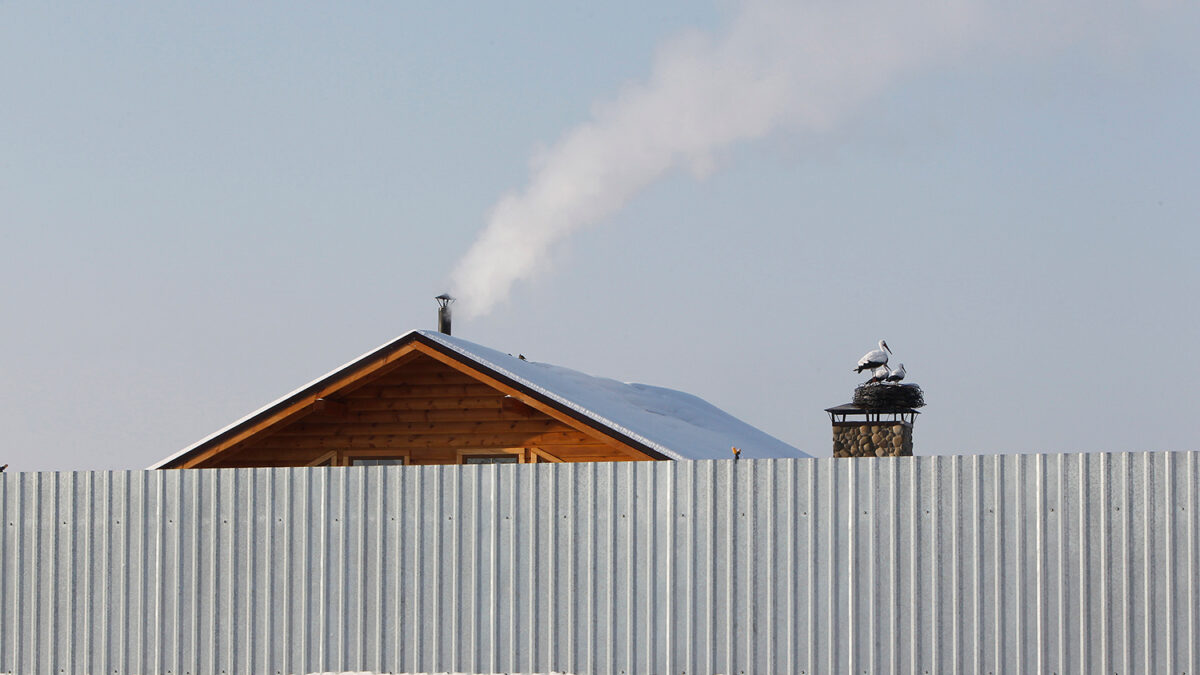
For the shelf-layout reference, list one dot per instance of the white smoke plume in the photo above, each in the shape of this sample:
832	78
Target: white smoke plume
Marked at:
800	65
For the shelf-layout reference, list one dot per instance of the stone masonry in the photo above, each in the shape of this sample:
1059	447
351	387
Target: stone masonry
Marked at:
872	439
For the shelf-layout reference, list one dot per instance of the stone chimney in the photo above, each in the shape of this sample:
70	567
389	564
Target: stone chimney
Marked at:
861	432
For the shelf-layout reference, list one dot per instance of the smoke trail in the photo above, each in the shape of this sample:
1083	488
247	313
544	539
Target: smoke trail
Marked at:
796	65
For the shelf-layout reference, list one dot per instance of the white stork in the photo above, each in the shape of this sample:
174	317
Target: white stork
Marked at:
880	374
874	358
897	374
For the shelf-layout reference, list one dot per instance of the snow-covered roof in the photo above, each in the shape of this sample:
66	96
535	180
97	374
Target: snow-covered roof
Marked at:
670	423
674	423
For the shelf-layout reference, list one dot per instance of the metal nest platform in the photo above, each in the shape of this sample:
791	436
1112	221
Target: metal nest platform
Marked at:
841	413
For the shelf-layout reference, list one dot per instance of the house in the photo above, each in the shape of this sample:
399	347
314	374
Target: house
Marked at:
430	398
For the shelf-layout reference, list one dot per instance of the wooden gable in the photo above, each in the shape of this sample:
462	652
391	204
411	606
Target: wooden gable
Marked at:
416	405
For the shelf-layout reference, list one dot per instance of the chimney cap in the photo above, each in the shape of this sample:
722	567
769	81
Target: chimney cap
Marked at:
444	301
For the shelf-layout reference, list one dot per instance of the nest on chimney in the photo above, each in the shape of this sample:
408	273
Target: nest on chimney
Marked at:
888	396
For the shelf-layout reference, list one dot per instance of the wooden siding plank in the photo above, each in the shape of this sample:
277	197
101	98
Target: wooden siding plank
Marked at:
405	416
425	428
480	402
424	391
428	441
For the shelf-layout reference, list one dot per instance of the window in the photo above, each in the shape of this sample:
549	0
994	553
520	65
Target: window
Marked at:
375	461
491	459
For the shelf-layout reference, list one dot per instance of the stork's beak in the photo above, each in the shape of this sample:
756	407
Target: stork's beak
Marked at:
887	348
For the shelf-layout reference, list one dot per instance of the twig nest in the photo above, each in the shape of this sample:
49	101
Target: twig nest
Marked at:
888	396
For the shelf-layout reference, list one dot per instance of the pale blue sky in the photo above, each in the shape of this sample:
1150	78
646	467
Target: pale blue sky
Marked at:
204	207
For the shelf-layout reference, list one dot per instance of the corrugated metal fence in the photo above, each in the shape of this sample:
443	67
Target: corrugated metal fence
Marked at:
973	564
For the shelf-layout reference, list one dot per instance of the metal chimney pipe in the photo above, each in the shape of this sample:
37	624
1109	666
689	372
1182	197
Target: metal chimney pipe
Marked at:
444	301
